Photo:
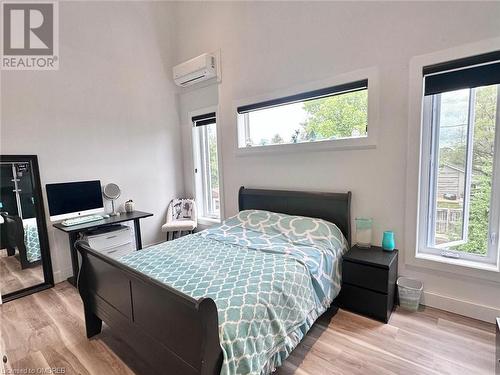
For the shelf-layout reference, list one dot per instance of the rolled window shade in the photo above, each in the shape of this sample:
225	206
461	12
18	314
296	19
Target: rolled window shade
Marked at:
310	95
469	72
205	119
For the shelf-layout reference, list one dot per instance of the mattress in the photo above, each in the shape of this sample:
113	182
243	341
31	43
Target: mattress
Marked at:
271	276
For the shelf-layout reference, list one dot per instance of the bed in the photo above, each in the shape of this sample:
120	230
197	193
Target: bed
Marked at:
235	299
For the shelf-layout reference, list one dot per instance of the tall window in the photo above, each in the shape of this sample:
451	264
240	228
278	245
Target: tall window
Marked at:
206	165
460	182
338	112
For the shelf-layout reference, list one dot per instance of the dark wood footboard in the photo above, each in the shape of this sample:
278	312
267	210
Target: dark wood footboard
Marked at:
175	333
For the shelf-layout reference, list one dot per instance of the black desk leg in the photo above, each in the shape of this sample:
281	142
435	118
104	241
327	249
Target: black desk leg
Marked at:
137	230
74	257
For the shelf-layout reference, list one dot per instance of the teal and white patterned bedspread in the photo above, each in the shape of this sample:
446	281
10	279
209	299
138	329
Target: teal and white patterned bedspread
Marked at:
31	241
270	275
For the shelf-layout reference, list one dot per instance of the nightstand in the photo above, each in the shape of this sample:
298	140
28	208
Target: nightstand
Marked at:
369	282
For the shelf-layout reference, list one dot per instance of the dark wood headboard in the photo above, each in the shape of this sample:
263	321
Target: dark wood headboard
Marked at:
332	207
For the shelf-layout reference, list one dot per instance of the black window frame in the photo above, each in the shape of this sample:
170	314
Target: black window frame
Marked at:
205	119
306	96
464	73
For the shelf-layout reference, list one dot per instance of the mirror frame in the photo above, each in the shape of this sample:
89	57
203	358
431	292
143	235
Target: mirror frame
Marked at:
42	228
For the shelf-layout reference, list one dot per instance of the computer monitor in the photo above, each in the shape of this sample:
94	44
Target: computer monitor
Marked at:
71	199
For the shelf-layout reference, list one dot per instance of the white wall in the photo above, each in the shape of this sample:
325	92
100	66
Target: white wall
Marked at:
273	46
109	113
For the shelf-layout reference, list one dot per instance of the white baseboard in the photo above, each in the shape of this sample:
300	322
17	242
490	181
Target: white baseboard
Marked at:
466	308
62	275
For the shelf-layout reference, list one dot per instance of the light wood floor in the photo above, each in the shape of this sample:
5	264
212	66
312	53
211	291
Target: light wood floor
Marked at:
13	278
46	330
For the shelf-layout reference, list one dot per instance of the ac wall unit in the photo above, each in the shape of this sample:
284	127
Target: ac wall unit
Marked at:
196	70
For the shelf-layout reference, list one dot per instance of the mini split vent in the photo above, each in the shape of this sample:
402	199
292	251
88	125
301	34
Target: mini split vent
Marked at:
196	70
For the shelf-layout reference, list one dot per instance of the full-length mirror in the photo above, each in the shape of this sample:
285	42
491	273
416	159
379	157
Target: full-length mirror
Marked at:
25	265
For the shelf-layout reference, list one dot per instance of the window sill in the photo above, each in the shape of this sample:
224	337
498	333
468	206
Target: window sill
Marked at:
361	143
459	262
207	221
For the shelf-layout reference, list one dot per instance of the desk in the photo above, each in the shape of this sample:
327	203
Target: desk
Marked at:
74	230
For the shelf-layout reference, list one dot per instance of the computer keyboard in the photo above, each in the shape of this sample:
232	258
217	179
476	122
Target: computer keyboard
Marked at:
81	220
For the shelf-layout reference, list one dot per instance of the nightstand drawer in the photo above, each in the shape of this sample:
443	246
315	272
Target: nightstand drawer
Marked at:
365	276
366	302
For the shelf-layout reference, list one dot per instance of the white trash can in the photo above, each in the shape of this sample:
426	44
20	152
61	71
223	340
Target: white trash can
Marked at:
409	291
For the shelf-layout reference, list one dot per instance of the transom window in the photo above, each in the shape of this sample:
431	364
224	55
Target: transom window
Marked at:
459	213
338	112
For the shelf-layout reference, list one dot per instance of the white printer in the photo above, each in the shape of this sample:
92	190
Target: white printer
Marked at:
114	241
